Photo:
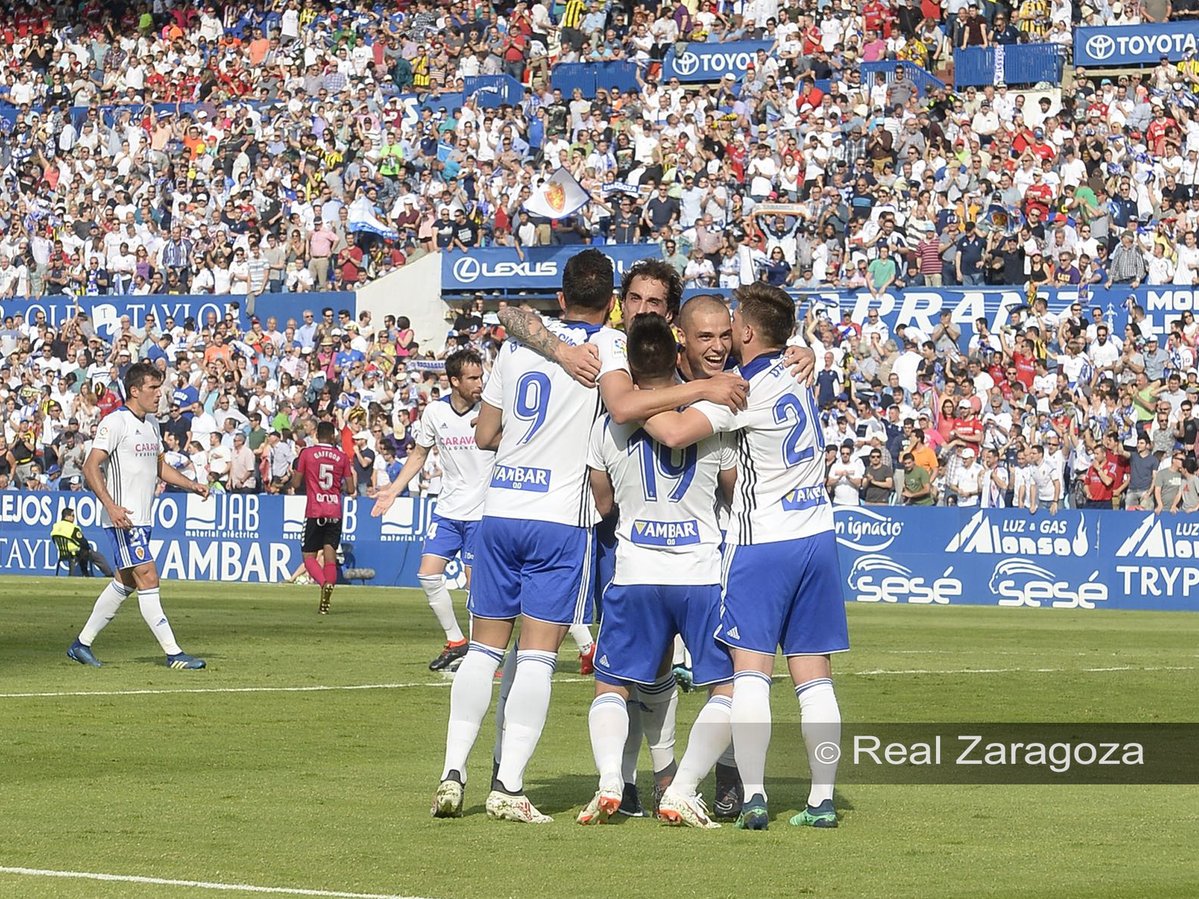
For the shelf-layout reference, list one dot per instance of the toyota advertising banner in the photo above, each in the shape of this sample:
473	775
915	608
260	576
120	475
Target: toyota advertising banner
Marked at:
1134	45
105	312
711	62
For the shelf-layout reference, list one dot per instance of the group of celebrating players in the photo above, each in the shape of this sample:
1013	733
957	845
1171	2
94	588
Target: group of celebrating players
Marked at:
693	495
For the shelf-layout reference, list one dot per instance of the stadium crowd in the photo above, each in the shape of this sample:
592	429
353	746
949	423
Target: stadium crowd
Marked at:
244	148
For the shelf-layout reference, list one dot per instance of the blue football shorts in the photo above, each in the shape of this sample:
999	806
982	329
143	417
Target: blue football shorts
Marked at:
639	624
784	594
448	537
130	547
538	569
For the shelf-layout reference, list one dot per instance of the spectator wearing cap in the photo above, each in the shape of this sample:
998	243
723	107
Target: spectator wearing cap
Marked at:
966	480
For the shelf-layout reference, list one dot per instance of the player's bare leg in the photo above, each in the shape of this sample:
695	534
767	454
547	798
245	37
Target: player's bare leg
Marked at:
820	720
525	717
608	723
470	697
330	579
315	567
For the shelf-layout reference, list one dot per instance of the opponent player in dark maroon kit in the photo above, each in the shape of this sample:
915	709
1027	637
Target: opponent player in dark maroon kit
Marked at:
327	473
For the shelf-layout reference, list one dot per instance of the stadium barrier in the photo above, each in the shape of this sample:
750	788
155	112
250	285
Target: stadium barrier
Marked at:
1006	557
588	77
496	271
105	311
1010	63
493	91
923	81
940	556
246	538
921	307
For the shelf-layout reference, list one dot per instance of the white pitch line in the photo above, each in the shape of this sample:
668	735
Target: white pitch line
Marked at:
883	671
315	688
198	884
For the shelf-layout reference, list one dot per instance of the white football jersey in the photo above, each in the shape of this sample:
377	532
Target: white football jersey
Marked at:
780	491
668	532
540	471
465	468
131	472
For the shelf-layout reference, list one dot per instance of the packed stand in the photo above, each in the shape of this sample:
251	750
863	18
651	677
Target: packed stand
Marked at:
236	407
284	128
1051	412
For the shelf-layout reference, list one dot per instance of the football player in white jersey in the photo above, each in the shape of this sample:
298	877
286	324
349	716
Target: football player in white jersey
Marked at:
450	425
123	468
705	339
534	545
666	581
782	584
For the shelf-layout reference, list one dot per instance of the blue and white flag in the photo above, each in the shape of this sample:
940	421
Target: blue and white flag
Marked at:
433	365
559	196
364	218
620	187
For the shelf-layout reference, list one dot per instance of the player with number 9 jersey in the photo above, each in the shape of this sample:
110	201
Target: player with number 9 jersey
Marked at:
540	465
539	494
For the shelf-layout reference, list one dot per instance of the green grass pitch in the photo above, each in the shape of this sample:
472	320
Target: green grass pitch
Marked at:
330	789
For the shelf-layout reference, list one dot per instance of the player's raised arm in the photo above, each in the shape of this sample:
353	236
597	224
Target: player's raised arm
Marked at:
412	466
580	362
679	429
625	403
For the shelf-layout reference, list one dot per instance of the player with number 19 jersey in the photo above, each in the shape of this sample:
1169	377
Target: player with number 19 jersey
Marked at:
667	572
668	532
